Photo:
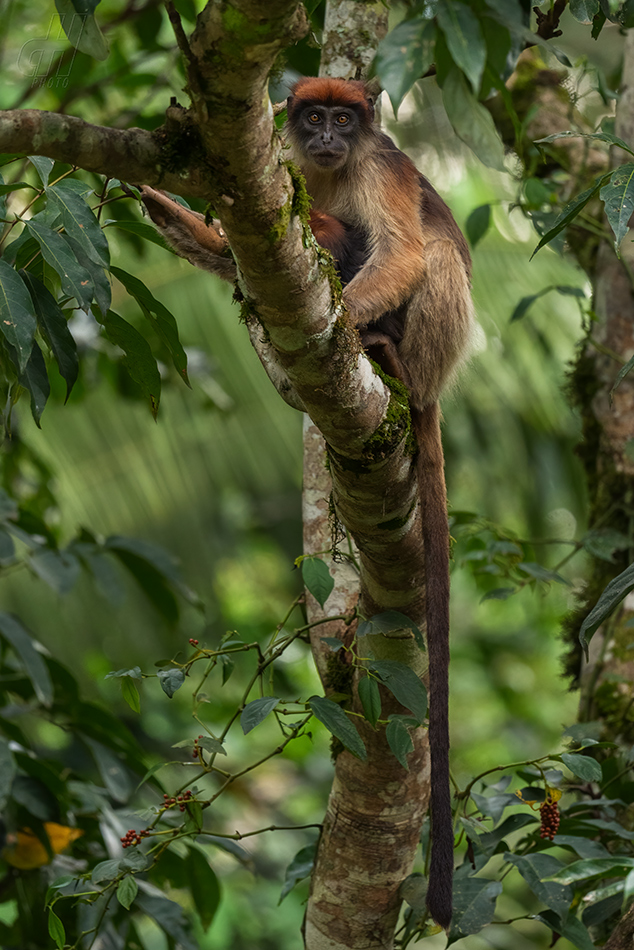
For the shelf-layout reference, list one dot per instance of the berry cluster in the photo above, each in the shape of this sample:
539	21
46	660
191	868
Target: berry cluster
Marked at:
180	800
549	813
193	642
196	750
133	837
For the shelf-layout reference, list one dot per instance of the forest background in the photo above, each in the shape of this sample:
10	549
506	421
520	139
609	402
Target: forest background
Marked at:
216	482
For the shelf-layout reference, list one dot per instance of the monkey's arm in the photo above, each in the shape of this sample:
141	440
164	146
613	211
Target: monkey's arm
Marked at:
387	281
203	245
206	246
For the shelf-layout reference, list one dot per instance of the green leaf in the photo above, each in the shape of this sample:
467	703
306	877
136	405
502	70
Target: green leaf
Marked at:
82	31
571	929
194	821
171	681
127	891
38	800
525	304
43	166
499	593
80	222
300	867
143	230
370	699
614	866
389	623
404	56
159	316
600	136
54	328
170	917
134	860
18	637
473	905
106	578
17	320
317	579
602	903
204	886
138	360
76	281
335	720
597	24
113	773
228	666
624	370
131	694
584	10
584	767
490	840
471	121
134	672
464	39
56	929
542	573
477	224
603	542
404	685
35	380
98	275
209	744
534	868
618	196
399	738
333	643
153	569
614	593
7	771
7	547
584	847
58	569
7	189
104	871
570	211
256	712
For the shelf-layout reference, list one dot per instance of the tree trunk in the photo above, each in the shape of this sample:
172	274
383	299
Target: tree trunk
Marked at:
375	810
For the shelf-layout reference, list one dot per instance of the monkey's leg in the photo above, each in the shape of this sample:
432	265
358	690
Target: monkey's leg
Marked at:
203	245
382	349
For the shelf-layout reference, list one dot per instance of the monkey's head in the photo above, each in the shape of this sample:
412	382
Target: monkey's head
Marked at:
328	119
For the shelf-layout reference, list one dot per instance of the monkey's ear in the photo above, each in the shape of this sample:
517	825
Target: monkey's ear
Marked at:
372	93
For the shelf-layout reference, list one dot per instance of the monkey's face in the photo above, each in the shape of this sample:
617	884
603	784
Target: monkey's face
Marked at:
326	134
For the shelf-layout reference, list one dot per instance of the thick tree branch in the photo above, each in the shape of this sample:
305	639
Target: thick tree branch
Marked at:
132	155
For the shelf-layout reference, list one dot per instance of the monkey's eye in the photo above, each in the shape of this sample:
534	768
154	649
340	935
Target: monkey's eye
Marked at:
314	117
342	119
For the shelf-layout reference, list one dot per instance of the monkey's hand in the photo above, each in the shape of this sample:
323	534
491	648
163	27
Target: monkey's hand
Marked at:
203	245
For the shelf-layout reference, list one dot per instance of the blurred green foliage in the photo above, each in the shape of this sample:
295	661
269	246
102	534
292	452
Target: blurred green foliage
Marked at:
216	481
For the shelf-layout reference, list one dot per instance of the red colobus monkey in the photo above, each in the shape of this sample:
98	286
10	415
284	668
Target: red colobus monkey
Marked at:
410	298
406	271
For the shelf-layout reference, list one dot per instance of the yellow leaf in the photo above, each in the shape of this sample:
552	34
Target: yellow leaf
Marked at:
25	851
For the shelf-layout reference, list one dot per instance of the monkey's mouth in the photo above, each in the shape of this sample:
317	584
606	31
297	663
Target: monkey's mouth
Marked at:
327	158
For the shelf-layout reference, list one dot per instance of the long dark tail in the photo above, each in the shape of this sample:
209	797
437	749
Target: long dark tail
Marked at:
433	499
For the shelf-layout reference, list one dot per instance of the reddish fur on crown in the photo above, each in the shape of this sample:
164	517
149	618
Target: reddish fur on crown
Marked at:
332	92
